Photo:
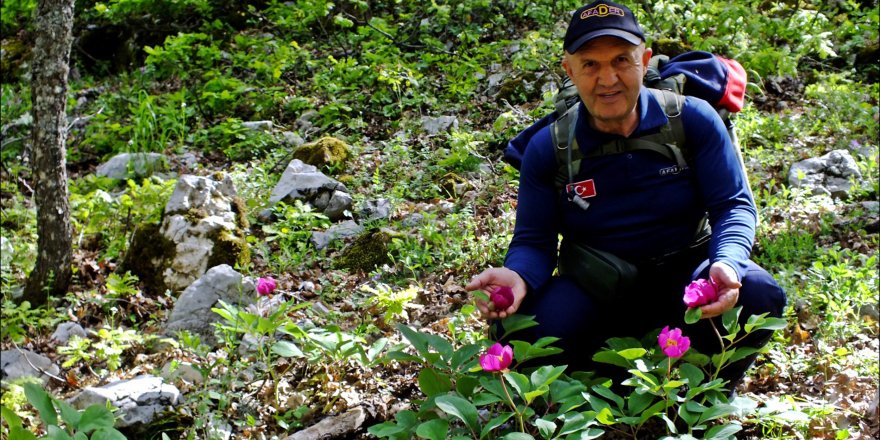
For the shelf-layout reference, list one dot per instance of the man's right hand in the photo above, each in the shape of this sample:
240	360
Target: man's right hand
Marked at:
493	278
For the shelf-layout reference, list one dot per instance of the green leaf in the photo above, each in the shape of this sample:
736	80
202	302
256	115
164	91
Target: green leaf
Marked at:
432	382
464	354
482	399
460	408
716	411
613	358
652	411
523	351
56	433
546	428
107	434
532	395
495	422
618	344
515	323
636	403
545	375
744	406
605	417
760	322
42	401
741	353
692	315
608	394
433	429
386	429
693	374
517	436
96	416
69	414
632	353
287	349
11	418
20	433
689	417
418	340
519	382
730	320
722	432
493	385
466	385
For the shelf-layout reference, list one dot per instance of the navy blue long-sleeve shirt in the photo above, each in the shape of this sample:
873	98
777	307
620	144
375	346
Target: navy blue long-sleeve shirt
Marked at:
640	209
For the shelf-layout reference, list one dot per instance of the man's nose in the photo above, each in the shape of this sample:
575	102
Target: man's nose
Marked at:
607	75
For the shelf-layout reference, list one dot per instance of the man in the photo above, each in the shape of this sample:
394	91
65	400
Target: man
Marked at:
639	208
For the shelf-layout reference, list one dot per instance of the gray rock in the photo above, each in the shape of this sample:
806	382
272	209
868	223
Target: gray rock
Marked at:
65	330
128	165
375	209
192	311
258	125
413	219
831	174
199	211
332	427
291	139
439	124
140	400
345	229
301	181
182	370
19	363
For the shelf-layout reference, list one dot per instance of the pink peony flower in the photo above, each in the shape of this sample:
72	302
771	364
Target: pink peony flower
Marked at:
265	286
673	343
502	297
700	292
497	358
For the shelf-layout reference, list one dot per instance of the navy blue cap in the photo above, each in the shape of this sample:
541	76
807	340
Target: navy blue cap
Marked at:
600	19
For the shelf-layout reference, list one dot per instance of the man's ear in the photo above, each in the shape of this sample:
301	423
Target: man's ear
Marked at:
646	59
566	65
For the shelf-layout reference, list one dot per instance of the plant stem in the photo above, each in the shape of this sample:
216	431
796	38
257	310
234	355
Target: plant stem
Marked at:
723	348
519	417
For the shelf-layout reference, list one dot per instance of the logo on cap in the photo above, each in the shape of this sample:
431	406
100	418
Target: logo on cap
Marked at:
601	10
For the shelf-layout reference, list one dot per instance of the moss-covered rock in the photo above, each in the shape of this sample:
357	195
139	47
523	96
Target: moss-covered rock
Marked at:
366	252
229	248
325	152
454	185
146	257
669	47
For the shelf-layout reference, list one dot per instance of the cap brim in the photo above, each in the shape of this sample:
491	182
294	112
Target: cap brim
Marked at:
623	35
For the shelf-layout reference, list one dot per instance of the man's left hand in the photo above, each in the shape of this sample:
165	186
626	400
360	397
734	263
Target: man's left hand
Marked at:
728	290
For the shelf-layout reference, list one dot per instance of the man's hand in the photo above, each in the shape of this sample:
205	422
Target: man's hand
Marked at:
492	279
728	290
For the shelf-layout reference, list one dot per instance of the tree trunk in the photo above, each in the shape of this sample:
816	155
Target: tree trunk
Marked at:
51	54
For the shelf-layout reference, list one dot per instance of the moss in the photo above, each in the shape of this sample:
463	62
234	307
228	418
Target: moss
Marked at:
146	256
366	252
451	182
669	47
325	152
194	215
520	90
239	207
229	248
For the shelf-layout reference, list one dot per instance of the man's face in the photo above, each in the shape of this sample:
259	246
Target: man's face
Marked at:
608	74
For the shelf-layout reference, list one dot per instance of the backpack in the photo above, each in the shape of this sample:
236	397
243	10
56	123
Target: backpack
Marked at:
719	81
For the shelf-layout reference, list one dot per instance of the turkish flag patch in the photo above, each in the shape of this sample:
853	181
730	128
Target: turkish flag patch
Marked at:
585	189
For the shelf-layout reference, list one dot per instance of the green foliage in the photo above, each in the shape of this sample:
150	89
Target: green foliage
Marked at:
20	320
111	219
16	14
687	396
810	30
61	420
392	302
108	347
287	241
